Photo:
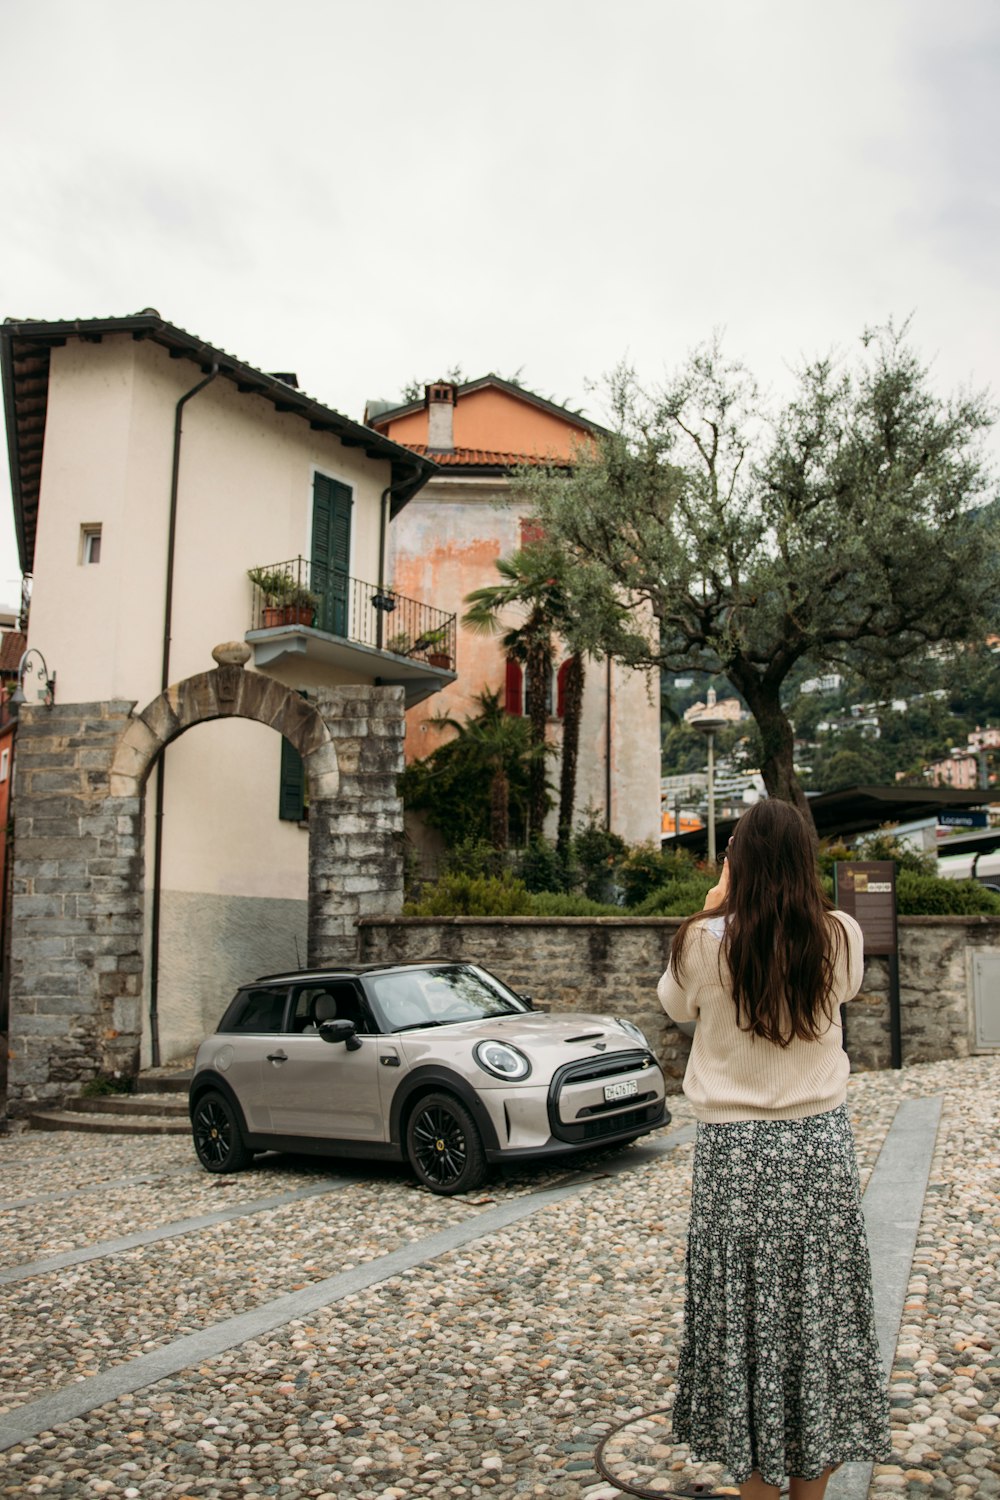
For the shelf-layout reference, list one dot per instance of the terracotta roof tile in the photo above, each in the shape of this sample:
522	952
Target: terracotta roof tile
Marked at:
12	644
480	458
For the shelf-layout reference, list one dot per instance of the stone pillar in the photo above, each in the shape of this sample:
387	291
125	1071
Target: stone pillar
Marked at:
76	921
356	836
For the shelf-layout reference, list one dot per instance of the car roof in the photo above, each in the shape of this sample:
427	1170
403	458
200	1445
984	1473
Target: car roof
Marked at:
339	971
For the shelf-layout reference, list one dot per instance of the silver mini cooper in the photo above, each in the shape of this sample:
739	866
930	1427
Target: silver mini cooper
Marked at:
435	1063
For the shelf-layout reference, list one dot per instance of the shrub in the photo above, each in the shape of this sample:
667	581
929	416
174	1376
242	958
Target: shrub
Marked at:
886	845
598	852
678	898
541	867
919	895
564	904
474	857
646	868
461	895
105	1084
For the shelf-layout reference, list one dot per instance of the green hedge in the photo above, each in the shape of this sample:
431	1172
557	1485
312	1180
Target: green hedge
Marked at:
928	896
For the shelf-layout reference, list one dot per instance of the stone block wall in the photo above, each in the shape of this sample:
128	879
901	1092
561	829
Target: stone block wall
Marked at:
76	915
356	836
612	964
76	976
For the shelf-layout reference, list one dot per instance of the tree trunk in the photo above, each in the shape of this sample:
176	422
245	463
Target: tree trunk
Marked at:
572	707
499	810
777	738
538	664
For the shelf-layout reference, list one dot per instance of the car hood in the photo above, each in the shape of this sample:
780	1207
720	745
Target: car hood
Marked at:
545	1039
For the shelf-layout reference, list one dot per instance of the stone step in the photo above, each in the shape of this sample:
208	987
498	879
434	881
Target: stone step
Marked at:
172	1080
66	1119
130	1104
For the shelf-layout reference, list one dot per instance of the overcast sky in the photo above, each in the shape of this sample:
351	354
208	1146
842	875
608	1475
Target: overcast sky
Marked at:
368	193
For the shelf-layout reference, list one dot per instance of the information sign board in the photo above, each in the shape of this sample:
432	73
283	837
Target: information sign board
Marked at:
867	889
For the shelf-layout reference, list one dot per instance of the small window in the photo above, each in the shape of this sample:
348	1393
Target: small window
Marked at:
90	545
4	764
258	1011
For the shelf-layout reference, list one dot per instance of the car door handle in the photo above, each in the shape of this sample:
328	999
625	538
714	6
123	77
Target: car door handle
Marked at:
277	1057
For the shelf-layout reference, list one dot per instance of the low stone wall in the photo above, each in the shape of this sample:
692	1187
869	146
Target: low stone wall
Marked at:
612	964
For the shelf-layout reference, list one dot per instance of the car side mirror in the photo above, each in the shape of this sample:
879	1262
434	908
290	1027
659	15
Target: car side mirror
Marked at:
530	1003
341	1031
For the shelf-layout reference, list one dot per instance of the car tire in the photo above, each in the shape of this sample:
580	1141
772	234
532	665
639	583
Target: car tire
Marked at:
443	1145
218	1139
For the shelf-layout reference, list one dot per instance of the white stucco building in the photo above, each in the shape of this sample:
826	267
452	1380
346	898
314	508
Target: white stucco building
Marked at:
150	471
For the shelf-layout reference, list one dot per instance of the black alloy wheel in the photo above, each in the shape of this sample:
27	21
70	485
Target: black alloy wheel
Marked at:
217	1137
444	1147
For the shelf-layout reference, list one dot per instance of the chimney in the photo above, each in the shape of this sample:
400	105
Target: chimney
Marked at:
440	401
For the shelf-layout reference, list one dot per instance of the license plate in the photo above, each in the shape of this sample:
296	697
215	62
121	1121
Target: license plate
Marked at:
620	1090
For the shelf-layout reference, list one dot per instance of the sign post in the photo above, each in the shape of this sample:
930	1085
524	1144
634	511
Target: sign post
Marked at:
866	890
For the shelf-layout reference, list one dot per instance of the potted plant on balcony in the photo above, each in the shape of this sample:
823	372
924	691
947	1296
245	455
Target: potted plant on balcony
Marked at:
283	599
428	645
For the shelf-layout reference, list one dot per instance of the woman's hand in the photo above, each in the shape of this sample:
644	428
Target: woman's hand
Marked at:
719	892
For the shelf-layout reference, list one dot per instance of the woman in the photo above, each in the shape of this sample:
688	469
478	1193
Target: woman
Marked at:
779	1369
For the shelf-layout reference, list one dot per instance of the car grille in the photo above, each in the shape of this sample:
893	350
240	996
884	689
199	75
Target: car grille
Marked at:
606	1118
610	1104
633	1119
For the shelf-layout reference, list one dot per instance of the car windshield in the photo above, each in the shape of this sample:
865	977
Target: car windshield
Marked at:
440	996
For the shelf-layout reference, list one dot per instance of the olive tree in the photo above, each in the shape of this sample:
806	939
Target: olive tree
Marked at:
854	523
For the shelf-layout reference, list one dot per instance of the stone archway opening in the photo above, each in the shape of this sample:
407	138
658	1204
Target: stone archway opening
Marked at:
78	920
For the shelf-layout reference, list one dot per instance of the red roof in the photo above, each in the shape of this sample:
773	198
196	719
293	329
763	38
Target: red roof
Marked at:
480	458
12	644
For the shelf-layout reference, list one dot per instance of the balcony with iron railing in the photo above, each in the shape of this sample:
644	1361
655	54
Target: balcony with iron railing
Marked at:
301	608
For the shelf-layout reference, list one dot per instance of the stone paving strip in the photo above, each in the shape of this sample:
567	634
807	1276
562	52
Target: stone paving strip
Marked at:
104	1248
36	1162
74	1323
66	1195
500	1365
27	1235
134	1374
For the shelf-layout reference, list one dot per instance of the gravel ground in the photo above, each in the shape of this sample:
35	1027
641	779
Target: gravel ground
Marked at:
498	1366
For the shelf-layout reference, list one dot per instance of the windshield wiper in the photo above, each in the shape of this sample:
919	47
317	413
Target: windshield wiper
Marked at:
417	1026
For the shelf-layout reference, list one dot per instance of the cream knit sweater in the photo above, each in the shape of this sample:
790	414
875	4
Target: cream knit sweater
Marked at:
733	1075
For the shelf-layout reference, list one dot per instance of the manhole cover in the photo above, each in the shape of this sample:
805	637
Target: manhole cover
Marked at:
640	1458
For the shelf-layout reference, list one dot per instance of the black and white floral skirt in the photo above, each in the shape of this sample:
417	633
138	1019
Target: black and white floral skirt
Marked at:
779	1368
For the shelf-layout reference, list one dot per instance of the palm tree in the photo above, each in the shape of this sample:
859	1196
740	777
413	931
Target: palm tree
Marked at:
531	583
502	747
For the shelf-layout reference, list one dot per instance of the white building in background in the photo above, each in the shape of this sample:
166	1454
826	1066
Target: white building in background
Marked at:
125	433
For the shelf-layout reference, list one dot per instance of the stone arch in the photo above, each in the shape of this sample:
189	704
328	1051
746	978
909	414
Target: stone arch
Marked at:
226	692
76	977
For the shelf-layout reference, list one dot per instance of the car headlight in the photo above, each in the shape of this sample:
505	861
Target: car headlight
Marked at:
502	1060
633	1031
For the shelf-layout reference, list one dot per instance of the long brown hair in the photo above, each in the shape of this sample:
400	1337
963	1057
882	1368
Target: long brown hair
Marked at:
780	943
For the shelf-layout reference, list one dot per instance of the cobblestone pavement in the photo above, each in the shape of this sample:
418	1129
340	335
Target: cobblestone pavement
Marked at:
495	1366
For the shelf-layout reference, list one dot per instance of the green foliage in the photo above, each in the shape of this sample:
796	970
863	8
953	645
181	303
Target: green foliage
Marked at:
884	844
472	896
106	1084
474	857
852	524
832	852
925	896
454	786
598	853
678	898
646	868
566	904
541	867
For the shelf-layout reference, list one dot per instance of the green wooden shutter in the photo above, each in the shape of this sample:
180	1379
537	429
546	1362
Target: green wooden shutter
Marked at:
331	553
292	794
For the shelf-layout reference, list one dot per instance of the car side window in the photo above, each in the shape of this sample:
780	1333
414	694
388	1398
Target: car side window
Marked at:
255	1011
328	1000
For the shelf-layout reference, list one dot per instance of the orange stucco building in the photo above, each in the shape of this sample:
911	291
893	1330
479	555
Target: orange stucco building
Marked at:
447	542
